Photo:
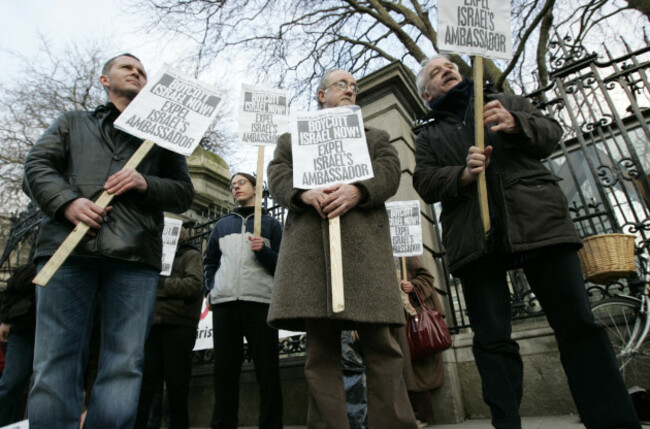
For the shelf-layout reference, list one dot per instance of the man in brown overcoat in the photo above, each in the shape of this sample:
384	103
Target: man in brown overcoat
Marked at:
301	293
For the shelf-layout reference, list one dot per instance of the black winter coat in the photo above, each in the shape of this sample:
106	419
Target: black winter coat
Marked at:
527	207
75	157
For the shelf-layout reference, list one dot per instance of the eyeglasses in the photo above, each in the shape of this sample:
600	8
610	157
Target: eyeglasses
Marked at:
343	86
240	182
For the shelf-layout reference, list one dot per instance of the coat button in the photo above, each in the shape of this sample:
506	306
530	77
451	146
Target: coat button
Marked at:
117	158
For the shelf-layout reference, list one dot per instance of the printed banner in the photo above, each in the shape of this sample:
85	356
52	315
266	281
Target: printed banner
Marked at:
405	227
475	27
172	111
171	232
329	146
204	331
263	115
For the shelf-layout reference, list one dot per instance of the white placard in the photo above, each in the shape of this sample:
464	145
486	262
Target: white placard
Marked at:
204	330
405	227
475	27
263	115
24	424
329	147
171	232
172	111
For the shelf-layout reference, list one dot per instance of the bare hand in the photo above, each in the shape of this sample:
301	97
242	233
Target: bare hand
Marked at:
314	198
256	243
4	332
477	161
501	119
340	199
85	211
125	180
406	286
207	303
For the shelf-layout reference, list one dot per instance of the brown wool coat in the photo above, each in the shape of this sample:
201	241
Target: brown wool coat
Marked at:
301	288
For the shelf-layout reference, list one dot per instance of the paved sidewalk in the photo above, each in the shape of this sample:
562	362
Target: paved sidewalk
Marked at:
547	422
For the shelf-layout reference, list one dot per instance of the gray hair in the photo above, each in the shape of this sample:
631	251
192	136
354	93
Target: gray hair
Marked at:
323	84
421	79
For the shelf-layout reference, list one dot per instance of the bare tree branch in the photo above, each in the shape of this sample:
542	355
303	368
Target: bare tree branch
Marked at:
291	42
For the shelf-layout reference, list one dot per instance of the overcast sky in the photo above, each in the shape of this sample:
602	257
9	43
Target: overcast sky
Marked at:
62	22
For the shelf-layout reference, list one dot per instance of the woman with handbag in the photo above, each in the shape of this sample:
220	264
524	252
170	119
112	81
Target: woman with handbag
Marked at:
425	374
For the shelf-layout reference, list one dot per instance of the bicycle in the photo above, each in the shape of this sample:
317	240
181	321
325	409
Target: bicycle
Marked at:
627	322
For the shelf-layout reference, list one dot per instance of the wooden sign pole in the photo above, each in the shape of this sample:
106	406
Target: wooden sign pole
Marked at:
259	190
479	139
73	239
336	265
404	273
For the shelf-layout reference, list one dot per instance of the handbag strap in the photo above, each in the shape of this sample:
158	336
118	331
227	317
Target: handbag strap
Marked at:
417	294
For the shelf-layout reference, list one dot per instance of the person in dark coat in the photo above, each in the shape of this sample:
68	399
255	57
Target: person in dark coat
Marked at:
116	264
421	375
168	350
302	296
530	229
17	327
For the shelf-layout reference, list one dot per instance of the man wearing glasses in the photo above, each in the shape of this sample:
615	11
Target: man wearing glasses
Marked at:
301	295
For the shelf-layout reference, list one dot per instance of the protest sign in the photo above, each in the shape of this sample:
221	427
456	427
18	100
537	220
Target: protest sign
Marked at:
204	330
263	115
173	111
475	27
329	146
405	227
171	232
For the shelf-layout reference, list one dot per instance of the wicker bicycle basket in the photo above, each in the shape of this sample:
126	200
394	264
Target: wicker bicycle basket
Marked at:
607	257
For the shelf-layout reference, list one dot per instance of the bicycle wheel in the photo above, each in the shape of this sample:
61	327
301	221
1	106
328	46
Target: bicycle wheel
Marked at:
623	323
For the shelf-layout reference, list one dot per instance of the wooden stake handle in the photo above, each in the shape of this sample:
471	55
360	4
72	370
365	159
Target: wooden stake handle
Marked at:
336	265
404	273
259	190
73	239
479	140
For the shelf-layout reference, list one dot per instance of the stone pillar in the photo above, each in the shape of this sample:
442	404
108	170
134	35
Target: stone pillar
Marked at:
211	178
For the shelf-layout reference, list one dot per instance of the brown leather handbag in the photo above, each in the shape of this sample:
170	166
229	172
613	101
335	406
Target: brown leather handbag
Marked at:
427	332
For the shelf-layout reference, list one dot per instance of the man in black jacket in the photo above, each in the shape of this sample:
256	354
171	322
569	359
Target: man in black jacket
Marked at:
530	229
117	263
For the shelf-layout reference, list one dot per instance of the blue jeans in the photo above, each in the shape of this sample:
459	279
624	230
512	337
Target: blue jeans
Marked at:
18	370
126	293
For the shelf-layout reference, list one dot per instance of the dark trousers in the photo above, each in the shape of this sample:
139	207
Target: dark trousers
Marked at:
168	357
586	354
232	321
17	371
